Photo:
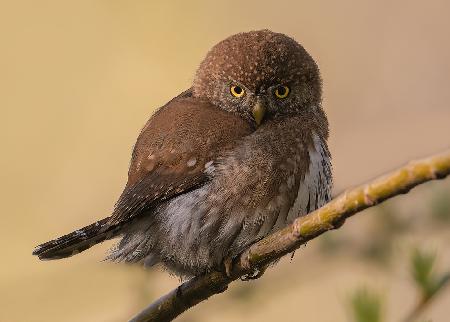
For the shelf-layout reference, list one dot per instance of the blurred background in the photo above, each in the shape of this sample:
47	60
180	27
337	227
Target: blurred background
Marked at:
80	78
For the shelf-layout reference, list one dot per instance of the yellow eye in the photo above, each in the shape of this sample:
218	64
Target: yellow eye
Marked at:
282	91
237	91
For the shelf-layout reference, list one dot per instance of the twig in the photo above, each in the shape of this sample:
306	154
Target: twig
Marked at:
303	229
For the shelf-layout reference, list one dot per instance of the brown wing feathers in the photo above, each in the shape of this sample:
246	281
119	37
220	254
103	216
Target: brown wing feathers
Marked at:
168	159
171	153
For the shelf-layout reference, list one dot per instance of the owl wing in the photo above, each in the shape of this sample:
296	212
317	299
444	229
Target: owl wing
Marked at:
169	159
172	152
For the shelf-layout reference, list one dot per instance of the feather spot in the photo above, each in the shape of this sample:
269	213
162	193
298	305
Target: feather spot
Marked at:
208	164
192	162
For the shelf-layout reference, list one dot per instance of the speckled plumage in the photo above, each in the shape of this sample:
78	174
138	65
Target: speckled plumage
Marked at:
207	178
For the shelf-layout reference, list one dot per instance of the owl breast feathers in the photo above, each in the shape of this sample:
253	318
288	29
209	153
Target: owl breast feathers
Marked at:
222	165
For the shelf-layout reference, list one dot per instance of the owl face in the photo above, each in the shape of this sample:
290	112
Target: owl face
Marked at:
259	75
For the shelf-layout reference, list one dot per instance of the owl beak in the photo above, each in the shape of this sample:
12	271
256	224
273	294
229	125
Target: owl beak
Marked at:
258	112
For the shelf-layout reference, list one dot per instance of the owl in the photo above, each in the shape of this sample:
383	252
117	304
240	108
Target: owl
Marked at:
239	155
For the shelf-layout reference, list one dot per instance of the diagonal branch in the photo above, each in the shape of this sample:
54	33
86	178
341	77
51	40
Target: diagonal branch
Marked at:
303	229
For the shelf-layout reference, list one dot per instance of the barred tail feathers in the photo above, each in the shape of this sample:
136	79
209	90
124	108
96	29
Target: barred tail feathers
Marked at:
77	241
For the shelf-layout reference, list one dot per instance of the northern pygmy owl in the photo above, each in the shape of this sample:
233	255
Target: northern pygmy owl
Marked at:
239	155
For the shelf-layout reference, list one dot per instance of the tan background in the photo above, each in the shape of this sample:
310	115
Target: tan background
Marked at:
80	78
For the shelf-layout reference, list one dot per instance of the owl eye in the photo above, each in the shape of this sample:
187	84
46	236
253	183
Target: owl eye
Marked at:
281	91
237	91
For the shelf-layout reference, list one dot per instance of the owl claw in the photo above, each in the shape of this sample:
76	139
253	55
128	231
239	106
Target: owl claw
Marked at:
228	263
255	274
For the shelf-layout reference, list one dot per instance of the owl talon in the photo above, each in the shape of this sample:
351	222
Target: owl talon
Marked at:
255	274
228	264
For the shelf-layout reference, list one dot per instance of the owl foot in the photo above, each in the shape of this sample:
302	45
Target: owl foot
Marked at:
255	274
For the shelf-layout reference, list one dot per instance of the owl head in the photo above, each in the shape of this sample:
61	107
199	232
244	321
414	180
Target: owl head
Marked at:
259	75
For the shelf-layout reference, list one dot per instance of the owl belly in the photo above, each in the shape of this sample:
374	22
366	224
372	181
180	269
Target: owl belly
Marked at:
208	235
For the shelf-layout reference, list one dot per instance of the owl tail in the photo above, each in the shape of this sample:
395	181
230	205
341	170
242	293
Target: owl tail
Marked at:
76	241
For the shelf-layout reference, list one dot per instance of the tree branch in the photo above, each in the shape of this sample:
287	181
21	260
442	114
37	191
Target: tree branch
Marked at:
303	229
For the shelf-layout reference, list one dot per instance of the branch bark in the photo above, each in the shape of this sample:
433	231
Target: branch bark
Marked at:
303	229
